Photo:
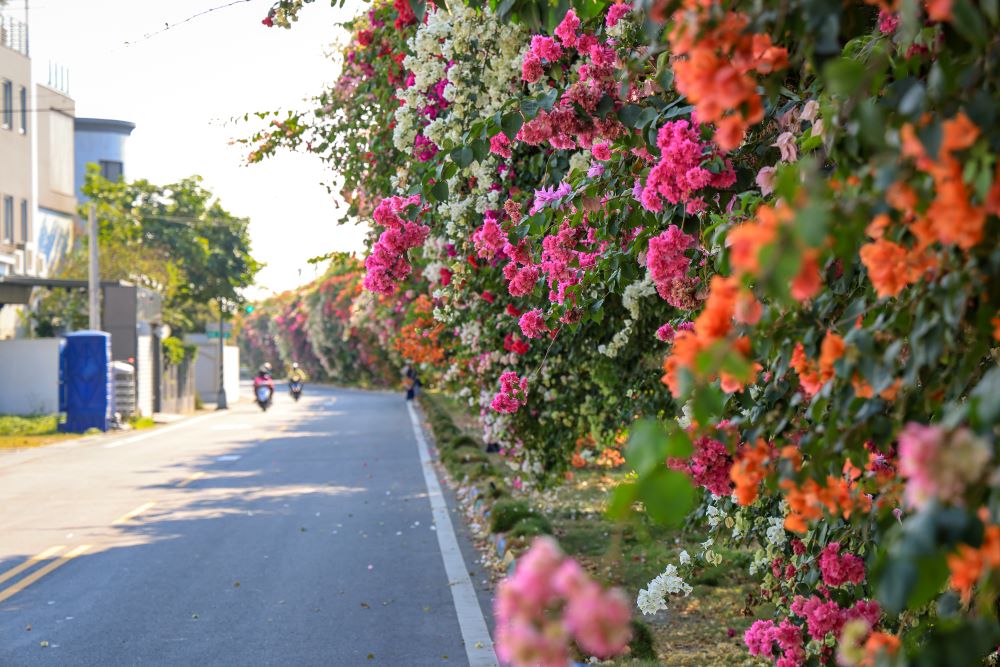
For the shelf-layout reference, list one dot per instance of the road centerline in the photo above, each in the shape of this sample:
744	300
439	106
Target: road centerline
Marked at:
38	574
31	562
125	518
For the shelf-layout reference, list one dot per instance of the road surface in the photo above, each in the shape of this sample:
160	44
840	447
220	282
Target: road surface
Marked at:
306	535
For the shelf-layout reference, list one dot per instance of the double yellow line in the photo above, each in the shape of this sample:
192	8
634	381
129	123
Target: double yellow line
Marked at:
52	554
41	572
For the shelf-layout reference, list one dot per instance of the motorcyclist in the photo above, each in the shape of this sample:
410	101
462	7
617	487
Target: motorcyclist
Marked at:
296	378
263	377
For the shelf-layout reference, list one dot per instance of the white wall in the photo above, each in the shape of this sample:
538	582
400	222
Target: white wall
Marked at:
29	376
206	368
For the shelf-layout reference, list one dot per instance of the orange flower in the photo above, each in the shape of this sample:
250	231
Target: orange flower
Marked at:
996	327
745	241
887	265
830	351
839	497
879	644
749	471
809	377
807	284
876	228
578	460
966	567
713	62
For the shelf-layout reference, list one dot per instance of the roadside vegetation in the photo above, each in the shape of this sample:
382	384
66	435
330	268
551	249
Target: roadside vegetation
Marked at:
32	431
705	628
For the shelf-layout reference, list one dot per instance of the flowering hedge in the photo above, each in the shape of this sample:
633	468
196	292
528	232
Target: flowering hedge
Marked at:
761	239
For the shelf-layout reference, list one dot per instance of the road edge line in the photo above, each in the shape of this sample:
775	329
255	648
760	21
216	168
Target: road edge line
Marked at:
475	634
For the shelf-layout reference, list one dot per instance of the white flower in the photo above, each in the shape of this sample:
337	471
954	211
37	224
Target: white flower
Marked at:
684	558
653	598
776	531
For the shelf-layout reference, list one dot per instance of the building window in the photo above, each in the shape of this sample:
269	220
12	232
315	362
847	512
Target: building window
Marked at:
8	219
25	226
8	104
24	110
111	170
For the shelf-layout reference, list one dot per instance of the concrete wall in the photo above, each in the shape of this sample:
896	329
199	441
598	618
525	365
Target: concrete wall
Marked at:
16	166
206	368
54	127
29	376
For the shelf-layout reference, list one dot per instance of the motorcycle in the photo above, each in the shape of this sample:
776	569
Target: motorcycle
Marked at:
263	392
295	387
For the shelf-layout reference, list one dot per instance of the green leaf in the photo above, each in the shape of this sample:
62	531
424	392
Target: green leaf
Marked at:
629	115
419	9
462	156
968	22
510	123
647	447
622	498
667	495
440	191
844	75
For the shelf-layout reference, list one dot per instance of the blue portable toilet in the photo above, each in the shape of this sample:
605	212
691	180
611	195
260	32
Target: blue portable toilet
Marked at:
85	381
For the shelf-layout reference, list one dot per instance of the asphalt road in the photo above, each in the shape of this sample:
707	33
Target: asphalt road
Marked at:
300	536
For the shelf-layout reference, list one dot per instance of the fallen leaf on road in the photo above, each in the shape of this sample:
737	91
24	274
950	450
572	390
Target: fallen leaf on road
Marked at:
236	585
479	645
43	644
365	605
28	628
371	656
194	615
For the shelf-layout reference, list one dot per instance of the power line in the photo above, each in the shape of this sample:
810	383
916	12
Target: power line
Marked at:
168	26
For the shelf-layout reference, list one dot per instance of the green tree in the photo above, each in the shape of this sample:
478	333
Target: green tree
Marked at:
176	239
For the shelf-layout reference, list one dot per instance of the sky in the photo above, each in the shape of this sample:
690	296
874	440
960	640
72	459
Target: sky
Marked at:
182	86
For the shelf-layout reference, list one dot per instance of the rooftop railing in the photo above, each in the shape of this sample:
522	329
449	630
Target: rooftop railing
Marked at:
14	34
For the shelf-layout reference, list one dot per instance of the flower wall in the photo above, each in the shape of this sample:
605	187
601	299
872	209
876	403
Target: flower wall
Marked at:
760	240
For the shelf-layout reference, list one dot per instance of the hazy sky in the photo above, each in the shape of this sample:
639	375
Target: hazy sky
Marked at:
181	87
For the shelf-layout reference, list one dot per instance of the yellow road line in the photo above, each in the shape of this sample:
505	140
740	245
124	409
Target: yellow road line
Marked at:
192	478
133	514
31	562
38	574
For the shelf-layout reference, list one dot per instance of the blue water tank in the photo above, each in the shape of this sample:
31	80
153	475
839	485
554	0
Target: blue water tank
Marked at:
85	381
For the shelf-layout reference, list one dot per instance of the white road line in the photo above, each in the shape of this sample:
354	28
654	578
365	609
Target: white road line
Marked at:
478	645
160	430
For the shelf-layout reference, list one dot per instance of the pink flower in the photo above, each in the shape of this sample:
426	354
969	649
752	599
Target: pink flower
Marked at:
839	569
566	30
599	620
595	170
423	148
550	601
601	151
888	21
666	333
546	48
616	13
512	395
532	324
709	466
520	280
387	265
500	145
821	617
679	173
665	258
786	144
937	465
531	68
765	180
489	239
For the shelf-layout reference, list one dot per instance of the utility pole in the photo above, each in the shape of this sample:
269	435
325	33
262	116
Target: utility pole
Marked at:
94	282
221	403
